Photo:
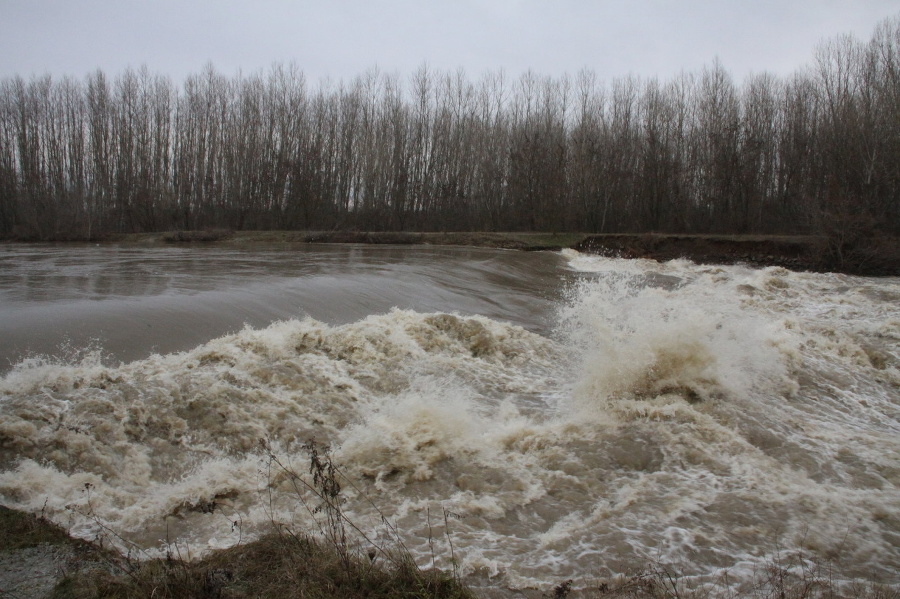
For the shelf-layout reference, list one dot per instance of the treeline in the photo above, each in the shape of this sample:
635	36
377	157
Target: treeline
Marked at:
816	151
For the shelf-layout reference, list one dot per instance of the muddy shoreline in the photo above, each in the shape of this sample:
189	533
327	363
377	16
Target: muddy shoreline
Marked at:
877	256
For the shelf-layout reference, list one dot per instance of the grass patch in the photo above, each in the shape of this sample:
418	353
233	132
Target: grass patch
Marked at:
518	241
19	530
281	564
197	236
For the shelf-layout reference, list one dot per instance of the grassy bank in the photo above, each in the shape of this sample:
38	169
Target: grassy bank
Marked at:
512	241
280	564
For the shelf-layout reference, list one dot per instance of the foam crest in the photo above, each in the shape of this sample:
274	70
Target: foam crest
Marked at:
763	392
639	337
407	434
184	425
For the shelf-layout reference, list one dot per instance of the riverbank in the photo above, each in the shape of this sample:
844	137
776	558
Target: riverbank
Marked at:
869	256
874	256
510	241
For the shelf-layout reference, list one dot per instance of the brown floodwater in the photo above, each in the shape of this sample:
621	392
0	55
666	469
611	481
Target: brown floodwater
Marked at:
537	417
131	301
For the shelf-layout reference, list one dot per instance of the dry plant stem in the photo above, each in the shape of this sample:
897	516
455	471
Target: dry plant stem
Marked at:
384	520
450	542
130	565
430	536
330	498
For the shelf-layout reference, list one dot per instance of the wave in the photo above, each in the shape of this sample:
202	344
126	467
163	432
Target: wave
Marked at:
703	416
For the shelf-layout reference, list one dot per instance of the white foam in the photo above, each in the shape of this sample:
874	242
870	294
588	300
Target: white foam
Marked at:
710	416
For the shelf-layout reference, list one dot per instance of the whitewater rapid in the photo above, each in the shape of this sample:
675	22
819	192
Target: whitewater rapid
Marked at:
700	416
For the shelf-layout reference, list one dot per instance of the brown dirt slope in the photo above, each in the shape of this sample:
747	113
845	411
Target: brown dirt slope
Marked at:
875	256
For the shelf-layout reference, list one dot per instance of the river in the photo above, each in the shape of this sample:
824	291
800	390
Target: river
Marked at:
539	416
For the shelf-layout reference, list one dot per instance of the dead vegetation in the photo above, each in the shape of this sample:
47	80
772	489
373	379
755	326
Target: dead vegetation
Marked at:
281	564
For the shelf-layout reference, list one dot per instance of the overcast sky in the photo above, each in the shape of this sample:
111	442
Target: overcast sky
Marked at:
341	39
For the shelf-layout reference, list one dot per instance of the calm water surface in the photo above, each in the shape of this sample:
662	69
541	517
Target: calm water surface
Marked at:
132	301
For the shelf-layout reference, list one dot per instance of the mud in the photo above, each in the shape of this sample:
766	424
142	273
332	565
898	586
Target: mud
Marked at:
875	256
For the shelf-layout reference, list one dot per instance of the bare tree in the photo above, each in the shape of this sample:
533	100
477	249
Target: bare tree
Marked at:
815	152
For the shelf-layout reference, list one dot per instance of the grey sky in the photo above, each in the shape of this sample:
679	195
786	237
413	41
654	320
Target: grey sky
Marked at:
341	39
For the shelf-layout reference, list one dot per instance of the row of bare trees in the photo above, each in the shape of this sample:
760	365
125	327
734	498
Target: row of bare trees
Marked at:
437	151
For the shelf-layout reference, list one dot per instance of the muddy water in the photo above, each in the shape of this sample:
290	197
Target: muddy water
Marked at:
131	301
555	416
